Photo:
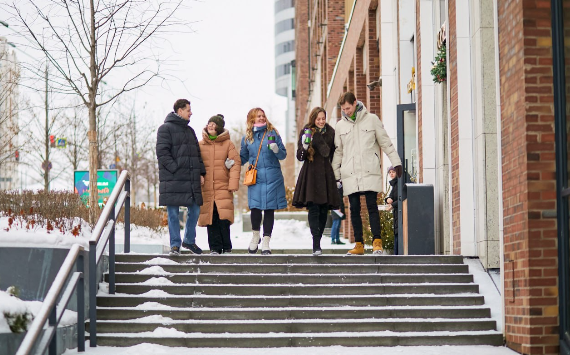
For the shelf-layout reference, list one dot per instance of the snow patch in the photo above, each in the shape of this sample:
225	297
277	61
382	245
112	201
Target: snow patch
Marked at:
161	261
157	281
154	306
153	270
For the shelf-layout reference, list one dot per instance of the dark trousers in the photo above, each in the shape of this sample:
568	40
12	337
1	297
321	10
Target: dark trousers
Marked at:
219	233
317	221
373	215
268	220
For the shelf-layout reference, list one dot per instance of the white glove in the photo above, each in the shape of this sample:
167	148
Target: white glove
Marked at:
305	146
338	184
229	163
274	147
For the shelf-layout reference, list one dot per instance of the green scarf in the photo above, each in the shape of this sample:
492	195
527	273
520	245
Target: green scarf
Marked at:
212	137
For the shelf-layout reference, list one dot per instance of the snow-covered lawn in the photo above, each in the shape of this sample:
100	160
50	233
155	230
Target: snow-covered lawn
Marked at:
151	349
287	234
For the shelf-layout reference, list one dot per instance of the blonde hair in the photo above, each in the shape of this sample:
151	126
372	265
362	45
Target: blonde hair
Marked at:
251	115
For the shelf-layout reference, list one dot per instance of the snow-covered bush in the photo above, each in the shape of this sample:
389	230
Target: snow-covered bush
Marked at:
14	314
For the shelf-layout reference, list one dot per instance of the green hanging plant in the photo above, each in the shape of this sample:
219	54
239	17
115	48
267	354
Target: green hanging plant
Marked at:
439	65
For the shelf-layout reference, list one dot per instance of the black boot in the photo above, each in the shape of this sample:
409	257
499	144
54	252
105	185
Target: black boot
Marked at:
317	245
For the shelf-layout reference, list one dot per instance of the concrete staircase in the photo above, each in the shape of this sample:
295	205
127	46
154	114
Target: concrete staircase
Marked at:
285	300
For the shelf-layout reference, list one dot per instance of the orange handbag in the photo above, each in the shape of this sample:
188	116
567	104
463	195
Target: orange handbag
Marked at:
251	172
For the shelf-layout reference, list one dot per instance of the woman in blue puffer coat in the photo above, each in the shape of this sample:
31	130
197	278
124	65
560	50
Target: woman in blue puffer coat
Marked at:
268	193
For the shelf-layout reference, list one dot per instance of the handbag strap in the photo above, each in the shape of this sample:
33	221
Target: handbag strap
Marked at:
259	150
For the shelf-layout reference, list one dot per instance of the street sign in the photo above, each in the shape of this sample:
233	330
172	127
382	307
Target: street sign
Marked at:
61	143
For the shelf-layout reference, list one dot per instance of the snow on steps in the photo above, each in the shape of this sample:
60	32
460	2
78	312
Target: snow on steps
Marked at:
294	300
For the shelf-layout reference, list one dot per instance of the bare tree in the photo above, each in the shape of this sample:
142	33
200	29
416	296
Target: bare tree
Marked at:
91	40
74	131
140	138
9	106
40	133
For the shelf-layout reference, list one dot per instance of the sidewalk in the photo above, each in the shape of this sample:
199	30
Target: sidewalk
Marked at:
148	349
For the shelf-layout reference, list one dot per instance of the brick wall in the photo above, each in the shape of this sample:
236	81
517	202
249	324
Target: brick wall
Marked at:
419	91
360	76
335	34
373	73
528	170
301	61
454	133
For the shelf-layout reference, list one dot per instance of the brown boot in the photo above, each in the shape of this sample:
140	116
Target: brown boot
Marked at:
358	249
377	246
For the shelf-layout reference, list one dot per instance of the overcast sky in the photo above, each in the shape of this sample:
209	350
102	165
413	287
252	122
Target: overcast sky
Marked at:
227	64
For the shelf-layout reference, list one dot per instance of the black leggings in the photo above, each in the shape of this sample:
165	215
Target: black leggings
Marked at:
268	220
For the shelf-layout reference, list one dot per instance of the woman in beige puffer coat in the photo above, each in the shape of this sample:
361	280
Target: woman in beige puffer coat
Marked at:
222	163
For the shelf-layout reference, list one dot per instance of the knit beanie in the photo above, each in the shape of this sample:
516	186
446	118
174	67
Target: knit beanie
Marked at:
391	168
219	121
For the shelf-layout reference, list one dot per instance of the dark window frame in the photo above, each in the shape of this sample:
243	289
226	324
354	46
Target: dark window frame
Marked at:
562	189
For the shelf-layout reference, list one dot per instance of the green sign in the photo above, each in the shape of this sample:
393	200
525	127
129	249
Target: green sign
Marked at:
106	181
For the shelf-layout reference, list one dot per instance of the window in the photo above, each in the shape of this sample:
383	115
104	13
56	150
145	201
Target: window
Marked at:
282	70
284	25
283	4
284	47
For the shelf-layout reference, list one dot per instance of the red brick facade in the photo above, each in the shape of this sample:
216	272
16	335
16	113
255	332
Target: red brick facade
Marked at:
529	200
301	62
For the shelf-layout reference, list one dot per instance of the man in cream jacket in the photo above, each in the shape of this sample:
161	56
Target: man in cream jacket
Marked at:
357	166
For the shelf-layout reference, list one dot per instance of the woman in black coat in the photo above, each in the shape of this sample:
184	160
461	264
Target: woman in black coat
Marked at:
316	186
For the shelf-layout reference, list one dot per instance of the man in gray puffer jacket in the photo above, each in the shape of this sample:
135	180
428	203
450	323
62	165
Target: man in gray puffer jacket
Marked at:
181	174
357	165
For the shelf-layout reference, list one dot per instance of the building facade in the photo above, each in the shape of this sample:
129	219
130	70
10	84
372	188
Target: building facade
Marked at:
284	73
475	92
9	147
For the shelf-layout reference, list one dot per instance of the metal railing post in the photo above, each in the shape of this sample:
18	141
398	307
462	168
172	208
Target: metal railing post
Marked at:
80	295
53	323
92	294
128	217
112	253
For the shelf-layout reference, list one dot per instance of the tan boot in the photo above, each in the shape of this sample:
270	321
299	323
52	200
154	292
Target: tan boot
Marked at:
358	249
377	246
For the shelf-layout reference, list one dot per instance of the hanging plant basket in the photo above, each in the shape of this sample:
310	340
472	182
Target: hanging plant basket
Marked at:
439	65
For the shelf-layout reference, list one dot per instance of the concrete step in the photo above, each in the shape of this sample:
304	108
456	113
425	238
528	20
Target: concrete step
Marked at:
257	340
276	290
117	313
293	301
293	278
295	259
301	268
299	326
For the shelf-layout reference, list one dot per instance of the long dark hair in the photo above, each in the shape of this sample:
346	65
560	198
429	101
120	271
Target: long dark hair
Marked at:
311	125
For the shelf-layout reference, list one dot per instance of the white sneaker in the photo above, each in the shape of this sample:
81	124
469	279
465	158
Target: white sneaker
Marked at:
265	245
317	252
254	242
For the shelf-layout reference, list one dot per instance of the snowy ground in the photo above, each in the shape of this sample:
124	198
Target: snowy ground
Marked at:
287	234
151	349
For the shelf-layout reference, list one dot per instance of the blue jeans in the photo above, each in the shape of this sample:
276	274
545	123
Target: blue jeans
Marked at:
335	230
174	225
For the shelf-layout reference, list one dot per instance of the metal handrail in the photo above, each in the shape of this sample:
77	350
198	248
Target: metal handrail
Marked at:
52	312
103	235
